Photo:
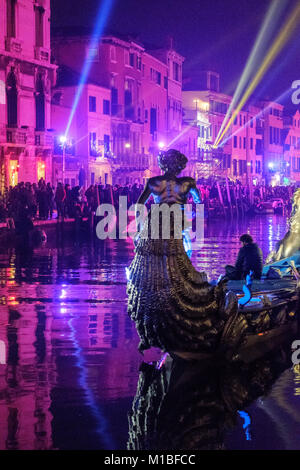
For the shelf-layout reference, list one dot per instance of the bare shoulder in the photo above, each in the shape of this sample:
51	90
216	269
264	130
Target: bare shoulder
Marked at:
154	181
187	179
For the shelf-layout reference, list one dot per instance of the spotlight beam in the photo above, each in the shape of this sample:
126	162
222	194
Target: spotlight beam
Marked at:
274	50
283	95
267	29
101	20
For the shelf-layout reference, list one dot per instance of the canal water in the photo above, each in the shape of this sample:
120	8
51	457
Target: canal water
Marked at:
69	364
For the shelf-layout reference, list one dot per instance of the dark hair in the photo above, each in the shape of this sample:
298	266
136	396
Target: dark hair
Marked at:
246	238
172	161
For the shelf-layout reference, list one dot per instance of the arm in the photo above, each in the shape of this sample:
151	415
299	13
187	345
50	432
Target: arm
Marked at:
145	195
195	193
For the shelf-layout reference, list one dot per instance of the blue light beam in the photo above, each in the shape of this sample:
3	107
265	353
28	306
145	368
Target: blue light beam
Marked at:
102	17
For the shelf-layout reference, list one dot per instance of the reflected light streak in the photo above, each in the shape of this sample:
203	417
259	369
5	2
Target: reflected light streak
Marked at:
102	428
273	51
102	17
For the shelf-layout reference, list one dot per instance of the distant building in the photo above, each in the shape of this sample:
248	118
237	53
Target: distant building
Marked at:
273	161
146	97
240	151
26	78
291	162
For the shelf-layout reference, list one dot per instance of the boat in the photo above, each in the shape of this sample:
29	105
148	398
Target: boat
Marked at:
271	309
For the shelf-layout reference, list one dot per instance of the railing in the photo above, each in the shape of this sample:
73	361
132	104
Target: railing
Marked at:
16	136
43	139
117	110
42	54
132	162
13	45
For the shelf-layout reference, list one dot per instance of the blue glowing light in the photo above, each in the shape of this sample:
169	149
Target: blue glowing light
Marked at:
247	423
127	271
102	17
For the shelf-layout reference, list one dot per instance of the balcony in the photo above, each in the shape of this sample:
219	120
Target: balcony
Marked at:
13	45
132	162
17	136
117	110
43	139
42	54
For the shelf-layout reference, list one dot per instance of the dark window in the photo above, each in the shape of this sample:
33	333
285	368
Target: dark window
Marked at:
128	104
258	147
251	143
235	141
11	18
176	71
244	142
131	59
158	78
92	104
228	161
39	26
106	139
166	82
40	106
114	101
12	101
234	164
139	63
106	106
153	120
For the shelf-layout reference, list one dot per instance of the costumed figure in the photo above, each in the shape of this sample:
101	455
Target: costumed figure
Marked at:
172	304
291	241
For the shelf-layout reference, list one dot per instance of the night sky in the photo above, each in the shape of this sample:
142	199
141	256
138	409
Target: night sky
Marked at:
211	34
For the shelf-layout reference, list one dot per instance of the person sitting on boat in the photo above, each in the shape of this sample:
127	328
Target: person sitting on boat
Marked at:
249	258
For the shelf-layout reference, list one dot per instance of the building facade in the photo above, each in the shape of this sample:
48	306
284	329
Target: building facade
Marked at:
88	156
239	154
26	79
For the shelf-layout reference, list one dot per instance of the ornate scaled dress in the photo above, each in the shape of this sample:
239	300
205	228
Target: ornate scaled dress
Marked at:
172	304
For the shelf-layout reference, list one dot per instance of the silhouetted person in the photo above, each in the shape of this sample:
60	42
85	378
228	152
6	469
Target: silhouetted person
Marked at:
249	258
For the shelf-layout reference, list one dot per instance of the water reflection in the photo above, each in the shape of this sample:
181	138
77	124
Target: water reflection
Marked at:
187	406
70	350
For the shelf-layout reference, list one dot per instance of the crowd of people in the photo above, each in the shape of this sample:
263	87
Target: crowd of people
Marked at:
43	201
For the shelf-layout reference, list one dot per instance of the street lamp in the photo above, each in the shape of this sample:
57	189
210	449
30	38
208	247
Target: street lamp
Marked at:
63	141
